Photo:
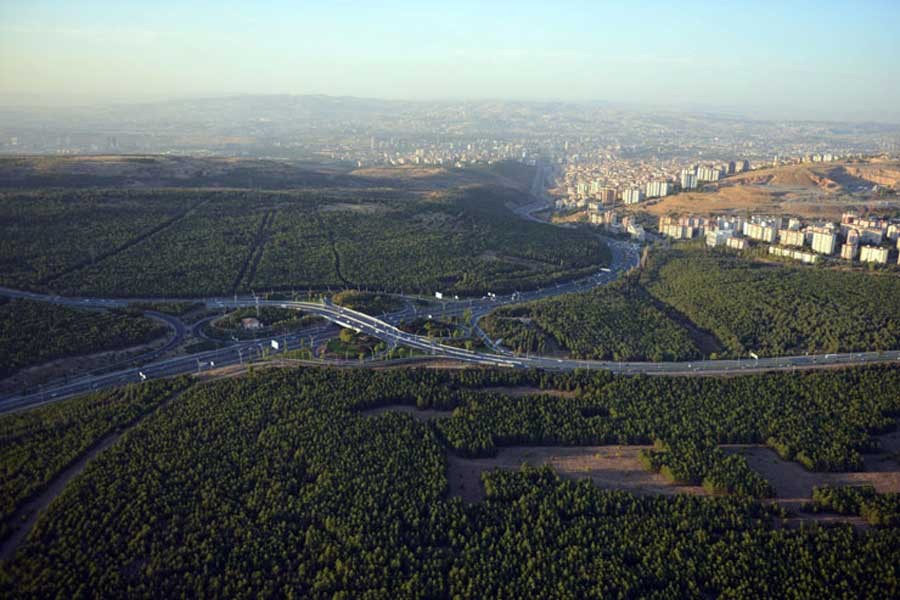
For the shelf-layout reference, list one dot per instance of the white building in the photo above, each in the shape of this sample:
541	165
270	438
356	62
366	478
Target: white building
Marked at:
708	174
802	256
632	196
823	242
676	231
790	237
849	251
873	254
688	180
719	237
658	189
760	231
636	232
736	243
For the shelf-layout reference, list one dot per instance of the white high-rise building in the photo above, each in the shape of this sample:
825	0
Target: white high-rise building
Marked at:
873	254
790	237
688	180
632	196
708	174
658	189
823	242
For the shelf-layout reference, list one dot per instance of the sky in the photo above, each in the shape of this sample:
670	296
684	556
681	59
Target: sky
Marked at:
817	60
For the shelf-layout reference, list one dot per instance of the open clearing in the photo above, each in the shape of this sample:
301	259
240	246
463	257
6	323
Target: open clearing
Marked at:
794	484
608	467
618	468
821	191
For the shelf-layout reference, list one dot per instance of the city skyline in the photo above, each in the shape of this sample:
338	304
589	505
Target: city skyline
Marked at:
760	61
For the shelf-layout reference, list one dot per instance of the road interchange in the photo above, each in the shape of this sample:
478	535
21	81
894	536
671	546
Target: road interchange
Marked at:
625	256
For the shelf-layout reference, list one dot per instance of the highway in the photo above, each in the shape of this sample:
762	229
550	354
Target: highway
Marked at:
624	256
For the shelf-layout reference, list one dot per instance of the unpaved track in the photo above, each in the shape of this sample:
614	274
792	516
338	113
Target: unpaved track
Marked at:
27	515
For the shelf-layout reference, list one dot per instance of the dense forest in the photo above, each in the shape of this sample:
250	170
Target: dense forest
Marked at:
38	444
274	485
775	310
876	509
618	321
32	333
205	242
48	233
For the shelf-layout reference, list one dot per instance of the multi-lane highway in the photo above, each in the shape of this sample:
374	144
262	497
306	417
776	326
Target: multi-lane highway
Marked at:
624	256
384	327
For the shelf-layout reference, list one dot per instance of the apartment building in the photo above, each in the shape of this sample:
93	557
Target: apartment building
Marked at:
873	254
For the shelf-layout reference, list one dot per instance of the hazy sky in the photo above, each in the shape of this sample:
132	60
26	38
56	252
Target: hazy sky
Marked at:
819	59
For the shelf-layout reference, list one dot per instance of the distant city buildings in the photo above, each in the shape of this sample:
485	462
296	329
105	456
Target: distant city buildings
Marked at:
736	243
849	251
762	229
718	237
705	173
790	237
606	195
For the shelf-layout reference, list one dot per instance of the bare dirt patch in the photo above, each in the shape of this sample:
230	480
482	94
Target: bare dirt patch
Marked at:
809	203
724	201
794	484
608	467
792	176
881	173
531	391
618	468
399	172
